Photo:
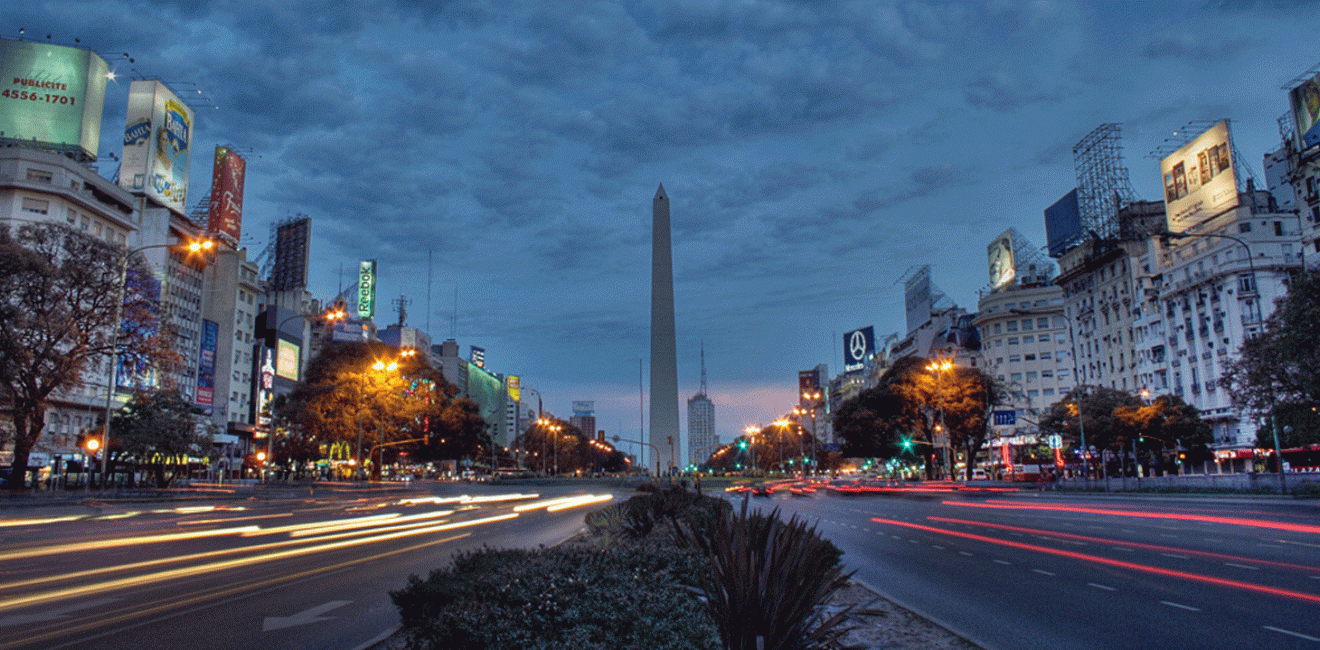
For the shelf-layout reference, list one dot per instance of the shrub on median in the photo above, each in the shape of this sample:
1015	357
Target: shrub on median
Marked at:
572	596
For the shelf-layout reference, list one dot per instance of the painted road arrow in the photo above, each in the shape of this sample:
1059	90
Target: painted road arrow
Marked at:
52	614
302	618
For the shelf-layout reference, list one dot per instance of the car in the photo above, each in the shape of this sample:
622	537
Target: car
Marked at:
979	475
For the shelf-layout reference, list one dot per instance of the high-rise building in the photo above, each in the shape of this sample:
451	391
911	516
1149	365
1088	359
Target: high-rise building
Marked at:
664	354
702	439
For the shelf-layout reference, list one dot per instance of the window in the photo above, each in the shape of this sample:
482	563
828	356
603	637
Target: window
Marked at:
71	216
1046	355
1033	393
1031	376
1245	283
1012	326
1047	374
36	206
1028	339
1013	341
1043	322
999	343
998	328
1244	226
1027	324
1278	228
38	176
1017	376
1047	392
1014	358
1030	357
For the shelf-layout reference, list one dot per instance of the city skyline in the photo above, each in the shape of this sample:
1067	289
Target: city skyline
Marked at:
815	153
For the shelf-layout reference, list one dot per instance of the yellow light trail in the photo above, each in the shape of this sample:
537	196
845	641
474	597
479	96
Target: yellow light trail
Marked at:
192	571
204	555
122	541
39	522
581	501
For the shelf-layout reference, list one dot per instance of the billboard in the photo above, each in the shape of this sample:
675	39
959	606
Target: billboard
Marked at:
226	214
206	365
857	346
1199	182
264	378
1003	266
52	94
808	381
1063	224
290	270
478	357
157	144
286	361
366	297
1306	112
514	385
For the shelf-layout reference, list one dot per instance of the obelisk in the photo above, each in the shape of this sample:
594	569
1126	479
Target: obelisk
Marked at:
664	355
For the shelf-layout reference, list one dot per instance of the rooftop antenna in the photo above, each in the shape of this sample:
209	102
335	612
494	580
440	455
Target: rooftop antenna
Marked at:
453	322
428	292
703	367
402	303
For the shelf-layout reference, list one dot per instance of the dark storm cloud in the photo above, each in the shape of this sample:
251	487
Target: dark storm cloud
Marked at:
813	151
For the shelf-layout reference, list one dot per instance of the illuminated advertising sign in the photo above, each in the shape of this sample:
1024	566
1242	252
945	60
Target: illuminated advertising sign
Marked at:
226	215
366	302
52	94
1306	112
286	363
1003	266
857	346
478	357
157	144
1199	182
514	385
265	378
206	365
807	381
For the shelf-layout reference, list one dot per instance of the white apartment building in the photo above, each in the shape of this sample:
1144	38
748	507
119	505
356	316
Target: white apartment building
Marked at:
1215	288
233	301
43	186
1025	345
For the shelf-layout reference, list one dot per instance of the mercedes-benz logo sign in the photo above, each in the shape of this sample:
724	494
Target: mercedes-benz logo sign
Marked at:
857	346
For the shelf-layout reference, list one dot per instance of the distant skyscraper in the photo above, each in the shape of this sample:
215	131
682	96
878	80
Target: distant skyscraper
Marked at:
664	353
702	441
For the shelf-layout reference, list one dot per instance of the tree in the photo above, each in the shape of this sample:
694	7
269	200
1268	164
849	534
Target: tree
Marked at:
350	394
1164	427
1282	364
58	289
1104	430
157	427
907	404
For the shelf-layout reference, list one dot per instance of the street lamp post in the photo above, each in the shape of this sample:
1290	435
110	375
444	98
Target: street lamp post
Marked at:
121	288
939	368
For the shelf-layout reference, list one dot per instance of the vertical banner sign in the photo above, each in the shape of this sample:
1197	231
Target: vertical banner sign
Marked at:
1006	455
51	94
478	357
157	145
515	388
225	219
366	302
265	377
206	365
286	360
857	346
1003	266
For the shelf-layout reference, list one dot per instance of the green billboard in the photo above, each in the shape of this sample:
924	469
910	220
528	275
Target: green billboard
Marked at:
51	95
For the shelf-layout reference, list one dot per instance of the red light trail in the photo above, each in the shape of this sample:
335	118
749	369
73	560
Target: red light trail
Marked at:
1255	523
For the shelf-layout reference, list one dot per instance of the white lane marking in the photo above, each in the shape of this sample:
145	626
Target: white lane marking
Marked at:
310	615
965	553
1126	530
1168	535
1017	534
1186	607
1213	539
914	541
1044	572
1244	566
1121	548
1003	563
1176	556
941	548
896	537
1099	586
1269	546
1290	633
1098	528
378	638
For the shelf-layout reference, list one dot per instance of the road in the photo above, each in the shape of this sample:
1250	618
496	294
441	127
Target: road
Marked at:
1051	571
306	572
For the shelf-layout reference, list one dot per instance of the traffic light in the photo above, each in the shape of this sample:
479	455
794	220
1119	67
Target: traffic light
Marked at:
907	444
742	444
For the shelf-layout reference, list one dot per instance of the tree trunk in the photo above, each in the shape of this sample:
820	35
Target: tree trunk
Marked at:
28	419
